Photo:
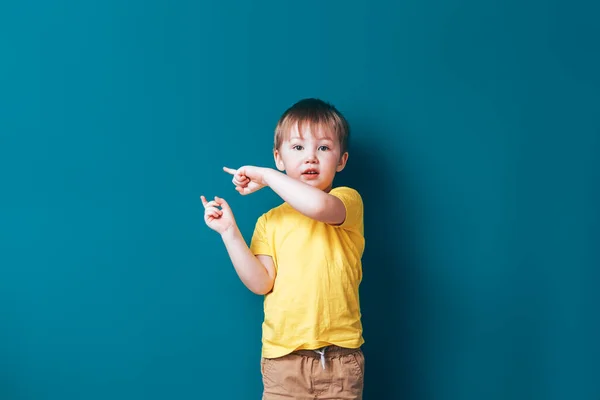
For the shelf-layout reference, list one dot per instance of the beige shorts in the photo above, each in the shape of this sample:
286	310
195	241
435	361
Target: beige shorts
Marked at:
328	373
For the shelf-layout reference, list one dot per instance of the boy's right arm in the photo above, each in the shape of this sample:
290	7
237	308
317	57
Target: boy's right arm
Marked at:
256	272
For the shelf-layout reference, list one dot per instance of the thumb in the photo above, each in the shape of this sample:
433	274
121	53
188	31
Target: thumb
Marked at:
222	203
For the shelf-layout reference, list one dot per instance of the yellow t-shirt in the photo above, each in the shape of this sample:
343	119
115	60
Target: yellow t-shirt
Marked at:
314	301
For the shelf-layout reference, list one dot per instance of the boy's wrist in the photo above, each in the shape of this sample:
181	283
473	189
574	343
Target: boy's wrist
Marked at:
230	232
268	174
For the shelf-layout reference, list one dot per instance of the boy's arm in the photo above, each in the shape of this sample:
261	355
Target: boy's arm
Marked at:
256	272
308	200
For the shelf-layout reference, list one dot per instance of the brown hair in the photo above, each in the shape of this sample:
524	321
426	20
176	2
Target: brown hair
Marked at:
313	112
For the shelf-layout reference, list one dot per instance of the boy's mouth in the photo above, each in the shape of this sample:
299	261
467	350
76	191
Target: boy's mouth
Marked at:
311	173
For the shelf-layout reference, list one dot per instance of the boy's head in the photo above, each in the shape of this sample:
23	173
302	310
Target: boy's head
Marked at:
311	142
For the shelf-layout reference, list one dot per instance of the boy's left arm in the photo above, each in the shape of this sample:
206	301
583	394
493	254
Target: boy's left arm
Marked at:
308	200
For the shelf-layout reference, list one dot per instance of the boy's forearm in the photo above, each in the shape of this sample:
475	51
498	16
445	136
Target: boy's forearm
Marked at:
308	200
250	270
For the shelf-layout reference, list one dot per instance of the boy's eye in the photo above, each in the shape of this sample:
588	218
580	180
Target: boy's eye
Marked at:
297	147
323	148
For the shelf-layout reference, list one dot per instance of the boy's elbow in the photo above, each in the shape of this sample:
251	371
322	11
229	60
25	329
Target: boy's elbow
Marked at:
261	288
260	292
331	211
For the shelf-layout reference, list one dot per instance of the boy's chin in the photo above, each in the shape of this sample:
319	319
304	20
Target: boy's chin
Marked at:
319	185
316	183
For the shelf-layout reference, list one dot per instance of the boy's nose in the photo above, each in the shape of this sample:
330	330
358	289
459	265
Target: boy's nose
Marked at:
311	158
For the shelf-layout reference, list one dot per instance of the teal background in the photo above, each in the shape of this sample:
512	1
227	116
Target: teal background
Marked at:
476	133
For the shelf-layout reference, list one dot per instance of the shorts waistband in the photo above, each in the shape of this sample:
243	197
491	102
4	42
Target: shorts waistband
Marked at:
327	351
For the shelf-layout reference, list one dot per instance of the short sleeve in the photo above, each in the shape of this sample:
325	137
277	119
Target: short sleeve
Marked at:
354	207
259	243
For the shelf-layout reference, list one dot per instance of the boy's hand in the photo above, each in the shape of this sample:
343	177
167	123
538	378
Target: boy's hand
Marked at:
247	179
219	220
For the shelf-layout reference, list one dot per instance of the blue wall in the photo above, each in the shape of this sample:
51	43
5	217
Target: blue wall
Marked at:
476	142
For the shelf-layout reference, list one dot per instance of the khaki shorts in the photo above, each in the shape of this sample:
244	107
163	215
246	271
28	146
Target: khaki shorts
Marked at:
329	373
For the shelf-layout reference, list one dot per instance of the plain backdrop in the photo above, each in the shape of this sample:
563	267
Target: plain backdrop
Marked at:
475	140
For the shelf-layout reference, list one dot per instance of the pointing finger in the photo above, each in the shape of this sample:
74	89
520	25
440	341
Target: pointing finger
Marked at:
229	170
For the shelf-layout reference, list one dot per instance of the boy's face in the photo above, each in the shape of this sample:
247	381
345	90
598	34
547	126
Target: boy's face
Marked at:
312	156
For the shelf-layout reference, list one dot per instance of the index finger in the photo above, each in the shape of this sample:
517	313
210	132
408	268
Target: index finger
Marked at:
204	202
230	171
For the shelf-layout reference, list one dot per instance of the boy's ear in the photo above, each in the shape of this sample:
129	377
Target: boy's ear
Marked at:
342	162
278	160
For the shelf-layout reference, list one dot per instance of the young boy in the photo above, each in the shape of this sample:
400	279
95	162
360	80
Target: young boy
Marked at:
305	257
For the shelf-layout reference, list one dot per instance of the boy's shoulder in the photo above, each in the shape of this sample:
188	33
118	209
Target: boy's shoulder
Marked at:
344	190
350	196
